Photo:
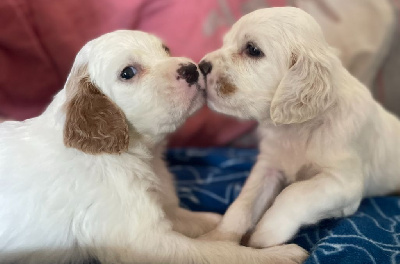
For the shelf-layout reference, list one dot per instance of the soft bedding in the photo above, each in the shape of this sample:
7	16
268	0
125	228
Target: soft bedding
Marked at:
210	179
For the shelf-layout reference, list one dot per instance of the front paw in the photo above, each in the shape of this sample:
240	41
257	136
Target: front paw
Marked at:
209	221
218	235
268	237
291	253
194	224
261	240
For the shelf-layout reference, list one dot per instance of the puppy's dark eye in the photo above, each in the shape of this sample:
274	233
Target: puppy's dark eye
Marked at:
128	72
253	51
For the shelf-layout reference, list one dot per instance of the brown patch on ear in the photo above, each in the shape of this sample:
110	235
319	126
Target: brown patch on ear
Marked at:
226	88
94	124
293	60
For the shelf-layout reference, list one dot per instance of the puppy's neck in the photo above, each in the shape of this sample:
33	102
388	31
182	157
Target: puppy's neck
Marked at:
144	140
295	130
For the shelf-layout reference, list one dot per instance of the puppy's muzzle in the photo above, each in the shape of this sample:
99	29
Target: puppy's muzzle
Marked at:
189	73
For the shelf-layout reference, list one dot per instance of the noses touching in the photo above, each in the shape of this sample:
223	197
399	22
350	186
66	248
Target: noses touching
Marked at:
189	73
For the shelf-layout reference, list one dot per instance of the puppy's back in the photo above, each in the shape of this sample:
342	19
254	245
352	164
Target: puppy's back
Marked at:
30	198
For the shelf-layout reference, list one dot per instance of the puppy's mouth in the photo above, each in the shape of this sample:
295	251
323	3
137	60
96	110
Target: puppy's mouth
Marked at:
201	83
203	79
201	86
197	100
196	85
196	97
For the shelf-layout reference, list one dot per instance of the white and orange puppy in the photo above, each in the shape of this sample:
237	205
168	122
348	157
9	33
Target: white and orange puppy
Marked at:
86	178
325	143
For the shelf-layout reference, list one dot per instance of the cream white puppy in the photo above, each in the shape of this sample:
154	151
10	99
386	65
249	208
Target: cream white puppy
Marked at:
86	179
325	143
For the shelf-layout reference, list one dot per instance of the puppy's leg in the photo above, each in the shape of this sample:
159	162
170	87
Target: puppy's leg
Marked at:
177	249
326	195
192	224
258	193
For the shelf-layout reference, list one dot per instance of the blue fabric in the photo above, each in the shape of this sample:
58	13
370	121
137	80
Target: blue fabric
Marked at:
210	179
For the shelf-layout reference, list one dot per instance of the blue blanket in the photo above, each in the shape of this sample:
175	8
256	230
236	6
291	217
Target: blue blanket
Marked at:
210	179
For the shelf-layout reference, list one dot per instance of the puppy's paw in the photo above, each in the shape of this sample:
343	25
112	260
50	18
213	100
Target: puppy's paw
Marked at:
262	239
194	224
290	253
267	238
212	219
217	235
272	233
208	221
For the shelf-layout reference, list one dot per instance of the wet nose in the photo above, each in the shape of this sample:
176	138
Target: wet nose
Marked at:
189	73
205	67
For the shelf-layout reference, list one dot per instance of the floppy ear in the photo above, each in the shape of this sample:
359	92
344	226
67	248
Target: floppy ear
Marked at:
305	90
94	124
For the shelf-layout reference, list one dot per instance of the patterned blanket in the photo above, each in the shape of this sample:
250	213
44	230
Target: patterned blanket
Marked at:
210	179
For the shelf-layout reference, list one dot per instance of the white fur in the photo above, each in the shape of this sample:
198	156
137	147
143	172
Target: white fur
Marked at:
325	142
62	205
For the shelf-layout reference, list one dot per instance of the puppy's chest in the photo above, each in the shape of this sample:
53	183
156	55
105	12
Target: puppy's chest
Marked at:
291	158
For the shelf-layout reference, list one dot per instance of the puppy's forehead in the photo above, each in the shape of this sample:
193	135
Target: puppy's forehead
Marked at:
112	52
241	34
127	40
274	22
250	27
282	15
107	55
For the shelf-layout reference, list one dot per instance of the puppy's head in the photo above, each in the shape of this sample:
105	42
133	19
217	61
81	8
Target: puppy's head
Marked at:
126	83
274	65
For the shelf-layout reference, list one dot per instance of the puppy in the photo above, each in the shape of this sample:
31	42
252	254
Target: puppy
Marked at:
325	143
86	179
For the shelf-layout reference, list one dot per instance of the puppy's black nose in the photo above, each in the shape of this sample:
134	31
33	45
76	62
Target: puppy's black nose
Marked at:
205	67
189	73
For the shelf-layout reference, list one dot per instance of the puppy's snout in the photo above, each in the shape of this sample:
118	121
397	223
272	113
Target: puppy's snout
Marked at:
205	67
189	73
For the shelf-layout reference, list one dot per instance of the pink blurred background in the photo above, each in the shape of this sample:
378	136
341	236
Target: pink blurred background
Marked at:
39	40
